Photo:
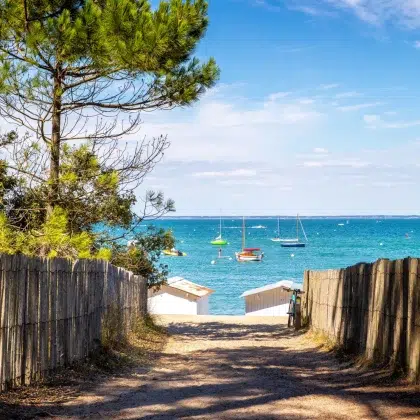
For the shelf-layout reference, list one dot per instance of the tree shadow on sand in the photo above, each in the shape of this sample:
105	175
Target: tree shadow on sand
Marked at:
259	381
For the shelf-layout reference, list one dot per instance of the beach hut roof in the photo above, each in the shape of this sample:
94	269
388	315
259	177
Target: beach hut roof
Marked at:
285	284
188	286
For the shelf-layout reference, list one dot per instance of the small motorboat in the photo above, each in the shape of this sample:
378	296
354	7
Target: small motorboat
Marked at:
174	253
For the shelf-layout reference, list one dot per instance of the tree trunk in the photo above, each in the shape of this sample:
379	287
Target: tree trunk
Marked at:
53	191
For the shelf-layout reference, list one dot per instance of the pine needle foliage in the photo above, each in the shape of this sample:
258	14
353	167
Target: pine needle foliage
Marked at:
85	69
76	76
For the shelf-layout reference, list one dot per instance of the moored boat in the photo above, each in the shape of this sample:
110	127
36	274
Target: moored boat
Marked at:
293	245
219	240
174	253
294	242
248	254
277	238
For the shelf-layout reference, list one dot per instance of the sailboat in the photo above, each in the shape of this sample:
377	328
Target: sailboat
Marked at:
277	238
294	242
219	240
248	254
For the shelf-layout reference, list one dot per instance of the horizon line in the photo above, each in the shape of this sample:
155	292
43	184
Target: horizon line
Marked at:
341	216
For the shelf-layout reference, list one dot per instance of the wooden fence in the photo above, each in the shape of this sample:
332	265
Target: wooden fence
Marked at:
52	312
370	309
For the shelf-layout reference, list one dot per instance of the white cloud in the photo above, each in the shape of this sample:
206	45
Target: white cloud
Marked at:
278	95
389	184
214	142
358	107
225	114
329	86
371	119
312	11
252	182
219	174
336	163
306	101
375	121
347	95
225	127
416	44
403	124
375	12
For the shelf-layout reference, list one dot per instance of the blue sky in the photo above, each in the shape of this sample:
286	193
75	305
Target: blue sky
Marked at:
317	111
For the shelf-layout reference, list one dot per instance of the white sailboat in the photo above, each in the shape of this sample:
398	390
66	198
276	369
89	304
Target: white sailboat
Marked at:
277	238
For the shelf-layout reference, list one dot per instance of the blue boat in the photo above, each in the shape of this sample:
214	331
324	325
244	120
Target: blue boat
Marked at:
293	245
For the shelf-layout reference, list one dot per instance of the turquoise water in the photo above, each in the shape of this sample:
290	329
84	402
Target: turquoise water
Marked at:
330	246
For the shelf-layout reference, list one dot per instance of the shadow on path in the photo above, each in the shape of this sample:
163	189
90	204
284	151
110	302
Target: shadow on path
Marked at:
227	369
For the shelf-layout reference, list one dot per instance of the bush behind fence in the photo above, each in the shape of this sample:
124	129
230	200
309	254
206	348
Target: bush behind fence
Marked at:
52	312
370	309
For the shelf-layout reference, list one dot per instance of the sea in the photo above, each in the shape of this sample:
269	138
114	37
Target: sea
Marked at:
332	243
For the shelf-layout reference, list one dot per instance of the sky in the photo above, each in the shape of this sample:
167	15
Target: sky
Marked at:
316	112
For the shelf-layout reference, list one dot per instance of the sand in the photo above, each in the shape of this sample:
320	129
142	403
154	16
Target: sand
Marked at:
226	367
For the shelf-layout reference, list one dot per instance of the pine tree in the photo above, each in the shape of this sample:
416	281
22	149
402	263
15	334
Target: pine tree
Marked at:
77	70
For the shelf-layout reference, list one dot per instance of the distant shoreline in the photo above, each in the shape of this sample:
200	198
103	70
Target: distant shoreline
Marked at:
338	217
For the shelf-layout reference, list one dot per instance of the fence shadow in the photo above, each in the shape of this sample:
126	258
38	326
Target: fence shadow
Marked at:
224	374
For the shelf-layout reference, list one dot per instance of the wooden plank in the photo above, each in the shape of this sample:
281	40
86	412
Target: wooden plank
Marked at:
3	321
44	317
84	308
7	279
60	311
76	297
71	312
35	282
53	314
29	323
413	321
14	320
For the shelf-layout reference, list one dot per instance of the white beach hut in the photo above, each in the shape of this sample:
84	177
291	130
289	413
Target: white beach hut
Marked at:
270	300
179	297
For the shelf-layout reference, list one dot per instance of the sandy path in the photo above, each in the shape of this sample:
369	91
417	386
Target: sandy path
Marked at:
245	368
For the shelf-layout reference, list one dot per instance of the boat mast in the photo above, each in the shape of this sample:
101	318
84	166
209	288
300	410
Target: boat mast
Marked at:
220	226
243	232
297	227
278	227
